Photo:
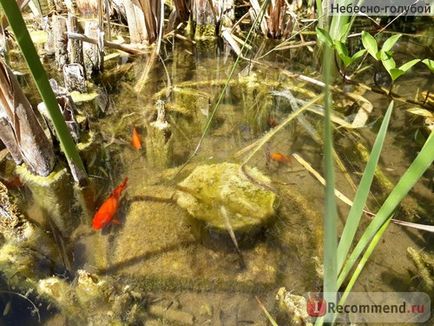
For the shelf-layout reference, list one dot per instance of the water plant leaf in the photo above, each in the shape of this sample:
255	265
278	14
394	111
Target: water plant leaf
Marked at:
422	112
330	215
358	55
341	48
370	44
342	52
429	63
390	42
407	66
324	36
384	55
389	64
395	73
343	31
362	262
362	192
415	171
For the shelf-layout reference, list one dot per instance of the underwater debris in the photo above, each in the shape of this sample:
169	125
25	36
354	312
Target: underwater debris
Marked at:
424	263
93	300
171	315
17	231
73	75
54	196
159	140
293	306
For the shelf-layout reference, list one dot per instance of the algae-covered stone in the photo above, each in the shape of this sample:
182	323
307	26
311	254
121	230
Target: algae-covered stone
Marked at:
90	288
294	306
245	197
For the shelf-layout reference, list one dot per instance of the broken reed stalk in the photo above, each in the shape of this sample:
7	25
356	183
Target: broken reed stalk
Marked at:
113	45
20	129
28	50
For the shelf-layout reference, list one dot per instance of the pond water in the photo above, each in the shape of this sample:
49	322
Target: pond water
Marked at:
180	263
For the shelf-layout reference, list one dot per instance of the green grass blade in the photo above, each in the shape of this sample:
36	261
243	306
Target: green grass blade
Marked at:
25	43
330	218
362	262
362	193
421	163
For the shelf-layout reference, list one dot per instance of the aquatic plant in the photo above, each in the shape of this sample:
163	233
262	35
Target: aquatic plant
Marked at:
24	41
337	264
330	215
385	55
340	47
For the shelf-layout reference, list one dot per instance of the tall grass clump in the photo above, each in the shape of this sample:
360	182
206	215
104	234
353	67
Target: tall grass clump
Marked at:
339	261
341	265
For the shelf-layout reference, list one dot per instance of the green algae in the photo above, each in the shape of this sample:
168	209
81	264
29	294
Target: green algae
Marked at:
210	187
205	32
54	195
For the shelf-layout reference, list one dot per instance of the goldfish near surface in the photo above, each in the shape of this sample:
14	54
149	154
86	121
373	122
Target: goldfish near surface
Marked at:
108	209
135	139
281	158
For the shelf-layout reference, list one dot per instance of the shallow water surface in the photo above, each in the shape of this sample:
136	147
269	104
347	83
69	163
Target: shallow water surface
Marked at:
179	261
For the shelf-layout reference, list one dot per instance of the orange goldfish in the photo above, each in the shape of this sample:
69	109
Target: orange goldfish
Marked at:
13	182
135	139
108	209
281	158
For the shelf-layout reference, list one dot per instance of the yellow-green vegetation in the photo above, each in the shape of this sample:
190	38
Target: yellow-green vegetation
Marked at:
205	32
54	196
245	196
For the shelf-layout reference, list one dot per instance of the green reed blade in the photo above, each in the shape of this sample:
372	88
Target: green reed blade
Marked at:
356	211
330	217
362	263
421	163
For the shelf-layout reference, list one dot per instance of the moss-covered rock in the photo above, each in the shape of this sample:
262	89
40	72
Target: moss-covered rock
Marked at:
244	196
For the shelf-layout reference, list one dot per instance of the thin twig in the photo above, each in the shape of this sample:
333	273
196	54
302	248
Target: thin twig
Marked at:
35	309
271	319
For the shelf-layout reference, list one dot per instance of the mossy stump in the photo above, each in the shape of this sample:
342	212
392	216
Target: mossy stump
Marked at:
54	195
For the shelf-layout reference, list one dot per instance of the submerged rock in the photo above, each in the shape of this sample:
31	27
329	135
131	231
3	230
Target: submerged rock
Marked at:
93	300
294	307
244	195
